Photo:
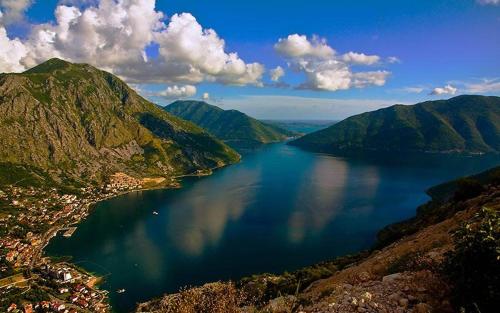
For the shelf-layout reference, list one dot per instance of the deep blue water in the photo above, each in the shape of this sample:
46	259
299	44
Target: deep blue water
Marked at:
281	208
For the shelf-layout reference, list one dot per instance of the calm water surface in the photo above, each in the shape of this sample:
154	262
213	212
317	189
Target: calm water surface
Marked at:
279	209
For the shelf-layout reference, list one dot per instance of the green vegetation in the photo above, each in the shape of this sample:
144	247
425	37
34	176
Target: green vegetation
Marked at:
464	124
23	175
473	267
20	296
74	125
263	287
235	128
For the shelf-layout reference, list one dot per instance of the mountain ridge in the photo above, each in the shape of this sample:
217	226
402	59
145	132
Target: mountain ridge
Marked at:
232	126
463	124
82	124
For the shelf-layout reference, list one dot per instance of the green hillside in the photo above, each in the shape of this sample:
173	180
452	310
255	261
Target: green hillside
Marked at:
233	127
77	124
464	124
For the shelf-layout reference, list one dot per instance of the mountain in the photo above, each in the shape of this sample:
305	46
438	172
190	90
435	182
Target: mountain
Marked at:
78	124
233	127
463	124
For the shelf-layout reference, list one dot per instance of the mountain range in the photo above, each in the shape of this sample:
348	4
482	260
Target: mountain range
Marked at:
78	124
463	124
233	127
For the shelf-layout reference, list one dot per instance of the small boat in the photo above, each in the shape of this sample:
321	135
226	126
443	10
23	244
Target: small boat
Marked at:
120	291
155	213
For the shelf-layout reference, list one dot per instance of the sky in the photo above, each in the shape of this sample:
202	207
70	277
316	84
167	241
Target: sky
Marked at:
316	59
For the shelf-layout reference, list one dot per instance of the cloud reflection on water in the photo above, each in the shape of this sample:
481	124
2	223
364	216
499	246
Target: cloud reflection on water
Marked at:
319	198
198	222
322	196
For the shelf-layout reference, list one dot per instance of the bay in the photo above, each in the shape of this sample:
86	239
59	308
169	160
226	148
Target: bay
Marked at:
281	208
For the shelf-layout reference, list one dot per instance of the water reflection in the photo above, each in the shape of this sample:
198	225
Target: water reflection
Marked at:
279	209
322	195
138	245
199	221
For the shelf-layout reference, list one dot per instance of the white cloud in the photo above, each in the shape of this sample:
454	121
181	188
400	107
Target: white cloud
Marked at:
360	58
485	85
114	35
473	86
12	51
176	92
13	10
364	79
446	90
393	60
199	54
296	46
276	73
206	96
489	2
324	70
325	75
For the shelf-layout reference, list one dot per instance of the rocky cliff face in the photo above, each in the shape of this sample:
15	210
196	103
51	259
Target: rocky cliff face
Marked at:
81	124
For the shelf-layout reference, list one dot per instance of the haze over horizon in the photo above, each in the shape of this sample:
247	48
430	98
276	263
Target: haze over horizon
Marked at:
295	60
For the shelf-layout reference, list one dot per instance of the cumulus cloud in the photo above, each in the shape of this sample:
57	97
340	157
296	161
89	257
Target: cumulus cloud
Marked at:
446	90
276	73
206	96
489	2
13	10
324	69
114	35
296	46
364	79
325	75
199	53
360	58
177	92
12	51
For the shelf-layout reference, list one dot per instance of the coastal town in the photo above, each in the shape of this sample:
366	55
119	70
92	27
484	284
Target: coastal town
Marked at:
30	217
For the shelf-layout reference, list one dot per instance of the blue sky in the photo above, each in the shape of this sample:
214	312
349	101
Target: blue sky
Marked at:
442	47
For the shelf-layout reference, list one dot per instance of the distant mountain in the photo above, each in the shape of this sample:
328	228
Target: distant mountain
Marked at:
301	126
464	124
78	124
233	127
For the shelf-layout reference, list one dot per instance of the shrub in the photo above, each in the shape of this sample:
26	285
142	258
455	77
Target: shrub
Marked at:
467	188
210	298
473	268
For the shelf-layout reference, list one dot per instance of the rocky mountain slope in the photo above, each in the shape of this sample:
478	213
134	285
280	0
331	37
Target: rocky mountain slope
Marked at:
464	124
75	123
435	266
233	127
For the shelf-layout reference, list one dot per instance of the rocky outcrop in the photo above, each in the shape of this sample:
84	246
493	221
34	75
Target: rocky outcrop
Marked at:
75	121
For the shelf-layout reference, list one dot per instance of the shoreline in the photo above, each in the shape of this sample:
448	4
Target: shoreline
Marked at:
87	208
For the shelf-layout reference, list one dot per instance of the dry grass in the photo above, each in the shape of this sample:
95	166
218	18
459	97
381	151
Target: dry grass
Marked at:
210	298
